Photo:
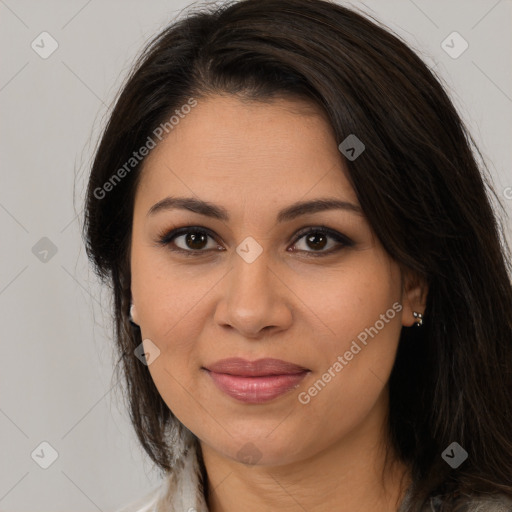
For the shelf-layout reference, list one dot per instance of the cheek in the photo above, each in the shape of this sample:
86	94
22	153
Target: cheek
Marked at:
168	295
360	311
167	307
350	300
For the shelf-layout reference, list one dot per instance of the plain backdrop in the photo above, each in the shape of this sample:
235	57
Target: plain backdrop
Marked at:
56	364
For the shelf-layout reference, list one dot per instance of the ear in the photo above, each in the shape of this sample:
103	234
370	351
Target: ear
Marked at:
414	296
133	314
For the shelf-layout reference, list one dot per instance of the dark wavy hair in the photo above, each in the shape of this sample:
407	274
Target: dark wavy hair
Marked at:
422	185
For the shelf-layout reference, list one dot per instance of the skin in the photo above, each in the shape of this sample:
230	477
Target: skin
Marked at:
254	159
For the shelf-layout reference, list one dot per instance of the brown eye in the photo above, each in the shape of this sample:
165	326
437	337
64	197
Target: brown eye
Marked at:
316	240
191	241
194	240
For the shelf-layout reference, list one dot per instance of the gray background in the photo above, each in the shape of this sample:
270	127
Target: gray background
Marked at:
56	380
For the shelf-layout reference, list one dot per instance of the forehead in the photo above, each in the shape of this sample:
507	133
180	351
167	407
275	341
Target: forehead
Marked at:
228	147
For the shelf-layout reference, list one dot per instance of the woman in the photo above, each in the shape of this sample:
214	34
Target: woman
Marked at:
312	299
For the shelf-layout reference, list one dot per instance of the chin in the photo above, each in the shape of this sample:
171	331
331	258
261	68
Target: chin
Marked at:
259	449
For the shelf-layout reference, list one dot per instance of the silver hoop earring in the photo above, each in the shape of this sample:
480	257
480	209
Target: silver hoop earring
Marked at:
419	318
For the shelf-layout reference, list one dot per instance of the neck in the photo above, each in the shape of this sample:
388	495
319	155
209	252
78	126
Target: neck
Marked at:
348	476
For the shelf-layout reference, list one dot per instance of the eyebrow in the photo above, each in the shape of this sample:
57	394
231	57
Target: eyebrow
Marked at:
287	214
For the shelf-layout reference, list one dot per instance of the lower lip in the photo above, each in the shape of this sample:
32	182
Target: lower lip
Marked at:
256	390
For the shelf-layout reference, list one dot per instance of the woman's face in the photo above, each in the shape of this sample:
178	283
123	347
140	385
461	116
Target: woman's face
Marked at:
260	283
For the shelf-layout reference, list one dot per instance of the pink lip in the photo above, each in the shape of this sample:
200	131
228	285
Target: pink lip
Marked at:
255	381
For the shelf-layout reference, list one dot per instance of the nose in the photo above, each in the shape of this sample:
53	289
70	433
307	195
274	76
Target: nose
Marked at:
255	299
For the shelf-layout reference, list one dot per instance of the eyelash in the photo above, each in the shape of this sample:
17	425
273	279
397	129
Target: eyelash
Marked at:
165	239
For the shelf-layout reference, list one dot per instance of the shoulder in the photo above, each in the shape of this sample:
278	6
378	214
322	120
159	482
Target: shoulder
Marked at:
461	502
146	503
470	503
180	490
489	503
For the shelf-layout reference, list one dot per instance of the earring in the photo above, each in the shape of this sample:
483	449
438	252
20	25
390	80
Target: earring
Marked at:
419	318
130	315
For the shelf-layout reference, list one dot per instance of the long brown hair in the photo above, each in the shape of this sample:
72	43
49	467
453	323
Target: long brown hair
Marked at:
420	186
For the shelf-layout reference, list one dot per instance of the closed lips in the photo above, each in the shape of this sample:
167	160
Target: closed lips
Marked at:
255	382
259	368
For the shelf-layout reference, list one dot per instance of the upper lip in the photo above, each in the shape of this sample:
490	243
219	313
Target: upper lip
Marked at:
258	368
